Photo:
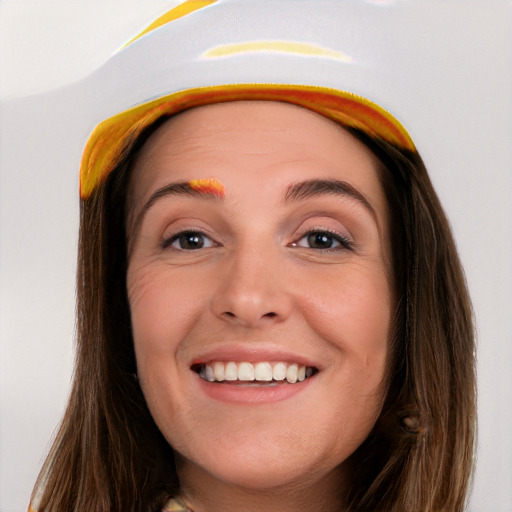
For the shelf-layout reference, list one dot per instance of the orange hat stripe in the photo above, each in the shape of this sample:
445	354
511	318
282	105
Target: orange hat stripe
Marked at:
208	186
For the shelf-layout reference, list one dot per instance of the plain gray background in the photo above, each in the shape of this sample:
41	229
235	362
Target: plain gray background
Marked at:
465	137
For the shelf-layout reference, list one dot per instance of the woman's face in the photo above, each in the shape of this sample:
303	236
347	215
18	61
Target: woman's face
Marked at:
279	272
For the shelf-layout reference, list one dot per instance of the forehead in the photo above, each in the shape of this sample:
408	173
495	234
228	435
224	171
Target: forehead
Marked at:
252	140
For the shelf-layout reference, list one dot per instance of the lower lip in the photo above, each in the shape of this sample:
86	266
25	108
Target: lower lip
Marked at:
250	394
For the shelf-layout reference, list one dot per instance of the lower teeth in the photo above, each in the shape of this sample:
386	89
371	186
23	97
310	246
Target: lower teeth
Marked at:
259	383
253	384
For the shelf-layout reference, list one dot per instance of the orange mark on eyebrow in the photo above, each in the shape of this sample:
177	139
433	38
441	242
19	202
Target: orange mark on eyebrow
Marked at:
208	186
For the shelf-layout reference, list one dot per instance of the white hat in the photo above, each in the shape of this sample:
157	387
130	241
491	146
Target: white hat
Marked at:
319	54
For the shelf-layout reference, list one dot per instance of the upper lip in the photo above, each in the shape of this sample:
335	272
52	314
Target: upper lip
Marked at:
252	354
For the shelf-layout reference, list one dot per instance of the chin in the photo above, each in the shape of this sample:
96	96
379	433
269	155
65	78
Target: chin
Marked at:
263	466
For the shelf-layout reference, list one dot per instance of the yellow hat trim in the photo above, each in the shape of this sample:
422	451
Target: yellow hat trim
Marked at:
112	139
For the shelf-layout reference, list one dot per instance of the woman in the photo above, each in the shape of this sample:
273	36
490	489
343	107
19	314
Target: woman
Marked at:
271	310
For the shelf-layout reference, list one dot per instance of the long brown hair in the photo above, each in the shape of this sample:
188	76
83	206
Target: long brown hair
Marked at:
420	455
110	456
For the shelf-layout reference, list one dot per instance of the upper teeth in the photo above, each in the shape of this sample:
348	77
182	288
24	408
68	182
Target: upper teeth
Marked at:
262	371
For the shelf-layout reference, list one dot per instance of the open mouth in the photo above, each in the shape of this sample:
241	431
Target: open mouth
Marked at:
261	373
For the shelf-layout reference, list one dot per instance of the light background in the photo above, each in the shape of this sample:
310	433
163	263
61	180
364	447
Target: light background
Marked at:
466	141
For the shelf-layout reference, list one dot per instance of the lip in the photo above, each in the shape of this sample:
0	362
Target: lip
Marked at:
247	393
251	394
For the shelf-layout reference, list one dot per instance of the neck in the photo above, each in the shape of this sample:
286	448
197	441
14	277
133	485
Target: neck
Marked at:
205	493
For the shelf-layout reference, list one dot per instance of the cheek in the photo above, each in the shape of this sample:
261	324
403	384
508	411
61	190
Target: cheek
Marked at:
351	311
162	310
358	299
161	307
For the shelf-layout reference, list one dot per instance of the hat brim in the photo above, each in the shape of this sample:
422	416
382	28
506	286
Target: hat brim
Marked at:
113	138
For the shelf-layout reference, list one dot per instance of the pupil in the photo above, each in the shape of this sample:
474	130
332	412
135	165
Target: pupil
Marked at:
191	241
320	240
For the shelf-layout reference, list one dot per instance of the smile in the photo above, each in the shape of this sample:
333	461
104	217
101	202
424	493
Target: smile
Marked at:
257	373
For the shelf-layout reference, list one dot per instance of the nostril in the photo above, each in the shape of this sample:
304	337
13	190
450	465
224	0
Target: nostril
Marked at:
270	315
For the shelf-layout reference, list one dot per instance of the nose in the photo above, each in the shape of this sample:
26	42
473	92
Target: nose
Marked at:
252	291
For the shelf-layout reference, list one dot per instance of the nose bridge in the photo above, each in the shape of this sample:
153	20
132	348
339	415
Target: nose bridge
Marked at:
251	290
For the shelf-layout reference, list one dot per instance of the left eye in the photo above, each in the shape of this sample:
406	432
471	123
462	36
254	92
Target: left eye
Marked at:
188	241
323	240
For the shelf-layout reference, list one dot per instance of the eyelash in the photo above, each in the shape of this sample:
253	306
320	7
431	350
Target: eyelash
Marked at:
187	233
344	242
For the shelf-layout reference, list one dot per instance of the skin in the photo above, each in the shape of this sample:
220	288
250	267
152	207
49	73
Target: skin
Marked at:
258	283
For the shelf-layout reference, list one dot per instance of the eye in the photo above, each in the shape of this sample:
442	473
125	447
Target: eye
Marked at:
323	240
188	241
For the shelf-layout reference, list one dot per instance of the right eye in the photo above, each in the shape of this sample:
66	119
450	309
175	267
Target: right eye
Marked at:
188	241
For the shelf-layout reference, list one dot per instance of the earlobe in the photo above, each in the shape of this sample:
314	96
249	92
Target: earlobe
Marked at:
412	424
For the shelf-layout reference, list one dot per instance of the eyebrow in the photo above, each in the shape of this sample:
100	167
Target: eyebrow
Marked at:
180	188
312	188
193	188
